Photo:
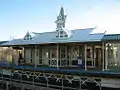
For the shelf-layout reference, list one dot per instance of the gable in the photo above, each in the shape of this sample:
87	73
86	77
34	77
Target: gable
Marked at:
27	36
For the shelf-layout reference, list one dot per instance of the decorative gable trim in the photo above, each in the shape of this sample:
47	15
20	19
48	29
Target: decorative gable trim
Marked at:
27	36
60	34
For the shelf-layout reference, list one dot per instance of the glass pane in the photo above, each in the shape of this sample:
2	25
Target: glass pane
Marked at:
113	56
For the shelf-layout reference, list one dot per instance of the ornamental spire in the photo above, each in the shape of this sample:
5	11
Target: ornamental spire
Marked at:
62	13
61	19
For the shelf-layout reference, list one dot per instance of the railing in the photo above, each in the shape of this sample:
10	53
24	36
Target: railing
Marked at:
56	81
48	81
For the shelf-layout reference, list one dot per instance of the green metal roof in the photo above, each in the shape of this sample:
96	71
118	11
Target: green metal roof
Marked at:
1	42
111	37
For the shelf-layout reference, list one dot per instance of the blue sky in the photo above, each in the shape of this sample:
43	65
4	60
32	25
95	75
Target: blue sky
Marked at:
19	16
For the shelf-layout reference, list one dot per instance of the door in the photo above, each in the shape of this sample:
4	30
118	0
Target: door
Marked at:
45	56
98	57
63	56
53	56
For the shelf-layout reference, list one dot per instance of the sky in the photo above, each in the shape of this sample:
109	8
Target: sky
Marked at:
19	16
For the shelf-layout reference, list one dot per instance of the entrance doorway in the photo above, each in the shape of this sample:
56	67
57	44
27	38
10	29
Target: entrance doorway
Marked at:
98	58
94	57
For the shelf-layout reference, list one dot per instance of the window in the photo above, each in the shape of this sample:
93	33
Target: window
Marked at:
90	60
61	34
27	36
88	53
113	57
66	36
53	53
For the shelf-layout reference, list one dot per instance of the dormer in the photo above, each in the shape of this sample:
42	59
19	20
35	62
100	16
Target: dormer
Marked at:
63	34
27	36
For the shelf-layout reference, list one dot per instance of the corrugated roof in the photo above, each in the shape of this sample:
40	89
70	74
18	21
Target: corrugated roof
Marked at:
96	37
110	37
1	42
78	35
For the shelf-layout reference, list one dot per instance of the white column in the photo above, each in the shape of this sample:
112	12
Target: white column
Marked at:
24	57
94	56
93	59
118	52
103	54
106	56
85	57
57	55
7	87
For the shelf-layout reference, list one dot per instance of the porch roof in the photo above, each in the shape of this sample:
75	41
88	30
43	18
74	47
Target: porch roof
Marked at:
111	37
78	35
1	42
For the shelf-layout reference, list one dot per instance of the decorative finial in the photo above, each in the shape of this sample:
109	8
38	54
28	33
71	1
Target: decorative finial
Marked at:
61	19
60	23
